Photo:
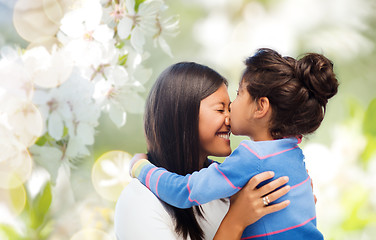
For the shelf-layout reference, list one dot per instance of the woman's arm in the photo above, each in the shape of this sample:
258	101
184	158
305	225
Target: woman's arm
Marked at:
247	206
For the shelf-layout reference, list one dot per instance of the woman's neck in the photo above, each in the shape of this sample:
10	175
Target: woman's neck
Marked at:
203	159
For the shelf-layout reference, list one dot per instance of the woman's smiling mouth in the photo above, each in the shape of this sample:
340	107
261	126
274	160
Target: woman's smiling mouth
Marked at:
225	135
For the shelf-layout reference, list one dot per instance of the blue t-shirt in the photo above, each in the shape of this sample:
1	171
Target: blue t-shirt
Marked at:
283	156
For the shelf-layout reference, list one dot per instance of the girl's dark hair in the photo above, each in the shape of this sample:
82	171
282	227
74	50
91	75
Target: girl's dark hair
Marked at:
171	128
298	90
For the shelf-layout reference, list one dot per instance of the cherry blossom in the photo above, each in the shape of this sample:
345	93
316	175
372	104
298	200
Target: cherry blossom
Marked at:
139	23
48	69
54	92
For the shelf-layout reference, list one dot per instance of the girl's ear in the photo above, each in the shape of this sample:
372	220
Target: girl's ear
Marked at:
263	107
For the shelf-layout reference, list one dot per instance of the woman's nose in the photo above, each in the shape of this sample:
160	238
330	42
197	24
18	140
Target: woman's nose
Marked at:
227	120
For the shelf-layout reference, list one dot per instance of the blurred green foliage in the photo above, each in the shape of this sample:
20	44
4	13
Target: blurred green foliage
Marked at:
369	130
35	216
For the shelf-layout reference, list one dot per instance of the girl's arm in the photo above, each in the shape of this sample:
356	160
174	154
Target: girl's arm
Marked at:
246	206
216	181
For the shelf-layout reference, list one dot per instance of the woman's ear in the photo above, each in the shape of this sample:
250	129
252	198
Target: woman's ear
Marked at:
263	107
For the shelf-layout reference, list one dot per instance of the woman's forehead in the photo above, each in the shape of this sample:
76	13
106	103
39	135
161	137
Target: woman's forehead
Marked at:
218	97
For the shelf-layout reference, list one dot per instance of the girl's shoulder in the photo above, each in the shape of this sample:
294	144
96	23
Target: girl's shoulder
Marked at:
264	149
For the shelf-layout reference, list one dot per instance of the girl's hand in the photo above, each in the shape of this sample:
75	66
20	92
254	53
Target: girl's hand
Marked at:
137	157
248	205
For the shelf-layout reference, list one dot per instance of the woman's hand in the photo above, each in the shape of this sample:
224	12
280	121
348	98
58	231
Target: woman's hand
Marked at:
314	195
248	205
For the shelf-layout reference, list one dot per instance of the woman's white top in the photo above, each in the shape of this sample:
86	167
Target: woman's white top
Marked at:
140	215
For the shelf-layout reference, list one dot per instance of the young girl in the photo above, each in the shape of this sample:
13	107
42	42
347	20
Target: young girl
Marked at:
182	124
279	100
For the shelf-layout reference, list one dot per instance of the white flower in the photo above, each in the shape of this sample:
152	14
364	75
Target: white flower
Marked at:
117	91
166	27
16	109
113	13
69	105
14	79
106	92
9	146
109	57
138	24
138	74
55	111
81	23
23	118
84	116
15	161
48	70
83	35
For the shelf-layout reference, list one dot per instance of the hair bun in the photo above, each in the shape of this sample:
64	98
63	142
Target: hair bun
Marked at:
316	73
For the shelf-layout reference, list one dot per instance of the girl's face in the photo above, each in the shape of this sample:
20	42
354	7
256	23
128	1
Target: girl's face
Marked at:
214	125
242	107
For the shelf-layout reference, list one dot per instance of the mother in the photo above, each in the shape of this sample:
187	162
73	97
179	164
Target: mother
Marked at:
187	120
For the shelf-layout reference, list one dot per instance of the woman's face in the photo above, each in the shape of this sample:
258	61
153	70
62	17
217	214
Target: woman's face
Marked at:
214	125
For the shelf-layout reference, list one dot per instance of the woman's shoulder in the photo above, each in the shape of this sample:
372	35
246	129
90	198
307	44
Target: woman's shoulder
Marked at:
136	196
139	213
134	186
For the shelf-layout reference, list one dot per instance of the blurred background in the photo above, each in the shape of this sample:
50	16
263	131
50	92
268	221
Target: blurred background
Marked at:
340	155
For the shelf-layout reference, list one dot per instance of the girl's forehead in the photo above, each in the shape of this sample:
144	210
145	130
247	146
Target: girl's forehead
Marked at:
242	83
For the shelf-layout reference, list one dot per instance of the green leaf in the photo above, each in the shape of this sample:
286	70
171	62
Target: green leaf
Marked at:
358	212
120	44
123	60
41	141
18	197
369	150
66	131
8	232
47	229
356	109
40	207
369	130
369	122
137	4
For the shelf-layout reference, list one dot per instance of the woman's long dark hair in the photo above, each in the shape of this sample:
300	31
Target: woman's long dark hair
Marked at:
171	128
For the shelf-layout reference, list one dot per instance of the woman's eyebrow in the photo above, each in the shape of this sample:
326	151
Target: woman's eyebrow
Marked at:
223	104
